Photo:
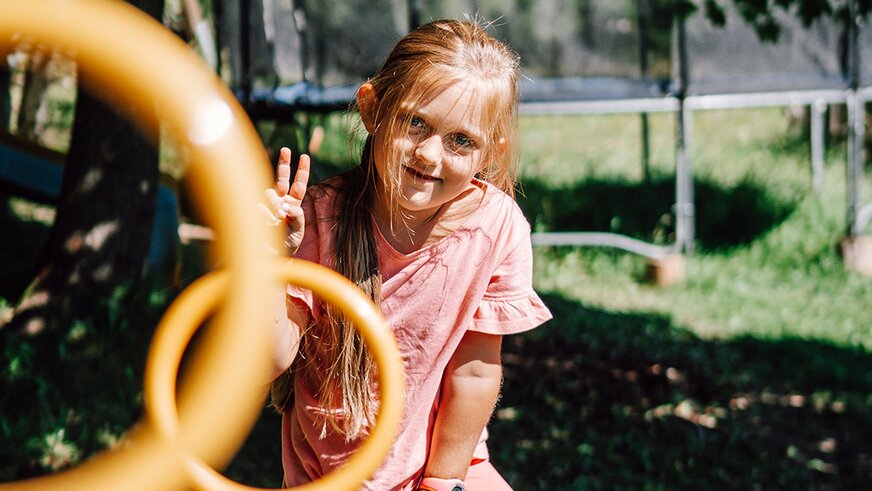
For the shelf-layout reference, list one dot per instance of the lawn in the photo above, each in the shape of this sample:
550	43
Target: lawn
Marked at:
755	372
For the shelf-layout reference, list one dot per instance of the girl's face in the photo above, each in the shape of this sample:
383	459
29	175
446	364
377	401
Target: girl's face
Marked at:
439	152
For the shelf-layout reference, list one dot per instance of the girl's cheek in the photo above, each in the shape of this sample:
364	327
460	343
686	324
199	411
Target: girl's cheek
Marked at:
404	146
409	140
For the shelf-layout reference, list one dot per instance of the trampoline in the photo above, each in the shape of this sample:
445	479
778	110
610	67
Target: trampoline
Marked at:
599	57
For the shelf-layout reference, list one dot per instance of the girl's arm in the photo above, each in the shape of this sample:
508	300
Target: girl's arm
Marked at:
288	320
283	209
470	389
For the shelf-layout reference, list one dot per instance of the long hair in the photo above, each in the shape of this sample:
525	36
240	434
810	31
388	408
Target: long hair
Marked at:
422	64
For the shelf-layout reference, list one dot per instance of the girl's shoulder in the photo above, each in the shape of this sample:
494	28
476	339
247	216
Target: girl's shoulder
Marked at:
326	189
497	207
323	198
500	219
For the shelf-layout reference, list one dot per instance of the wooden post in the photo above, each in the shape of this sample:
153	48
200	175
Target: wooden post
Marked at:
665	271
857	254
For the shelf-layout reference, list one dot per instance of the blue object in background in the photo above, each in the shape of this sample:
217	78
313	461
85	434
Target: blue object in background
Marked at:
39	177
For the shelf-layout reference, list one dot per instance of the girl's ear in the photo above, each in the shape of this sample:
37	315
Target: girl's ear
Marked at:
366	102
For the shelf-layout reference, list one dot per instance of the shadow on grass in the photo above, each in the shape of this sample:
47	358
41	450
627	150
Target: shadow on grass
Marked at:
67	395
622	401
592	399
725	217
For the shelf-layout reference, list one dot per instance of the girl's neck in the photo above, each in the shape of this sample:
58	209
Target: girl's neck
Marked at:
408	231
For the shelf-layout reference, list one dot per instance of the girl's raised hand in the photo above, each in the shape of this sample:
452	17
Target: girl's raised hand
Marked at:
284	198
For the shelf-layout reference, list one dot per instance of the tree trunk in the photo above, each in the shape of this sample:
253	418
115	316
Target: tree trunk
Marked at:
33	113
74	350
105	213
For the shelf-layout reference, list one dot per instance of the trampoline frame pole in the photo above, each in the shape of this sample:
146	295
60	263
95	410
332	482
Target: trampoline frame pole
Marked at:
643	11
817	111
684	206
856	124
414	14
855	162
245	82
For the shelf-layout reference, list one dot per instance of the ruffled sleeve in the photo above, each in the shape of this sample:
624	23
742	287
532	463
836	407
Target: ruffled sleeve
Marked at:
511	315
510	305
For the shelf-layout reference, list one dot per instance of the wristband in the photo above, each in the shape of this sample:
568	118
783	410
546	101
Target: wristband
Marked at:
438	484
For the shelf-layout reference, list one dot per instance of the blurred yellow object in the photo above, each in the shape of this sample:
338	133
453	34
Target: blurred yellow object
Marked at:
137	64
194	305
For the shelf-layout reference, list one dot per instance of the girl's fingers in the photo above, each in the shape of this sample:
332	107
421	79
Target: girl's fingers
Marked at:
275	202
301	178
283	200
268	215
283	172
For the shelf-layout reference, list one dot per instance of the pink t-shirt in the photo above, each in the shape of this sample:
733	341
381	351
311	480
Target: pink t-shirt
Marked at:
477	278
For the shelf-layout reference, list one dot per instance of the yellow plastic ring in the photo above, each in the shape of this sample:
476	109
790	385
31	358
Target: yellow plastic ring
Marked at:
194	305
136	63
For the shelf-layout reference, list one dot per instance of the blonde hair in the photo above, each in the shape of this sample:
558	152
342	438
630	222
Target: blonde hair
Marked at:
422	64
443	53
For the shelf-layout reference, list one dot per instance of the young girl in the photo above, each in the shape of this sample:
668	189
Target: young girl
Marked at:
427	226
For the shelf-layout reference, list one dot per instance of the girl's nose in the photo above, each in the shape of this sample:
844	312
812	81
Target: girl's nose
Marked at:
430	150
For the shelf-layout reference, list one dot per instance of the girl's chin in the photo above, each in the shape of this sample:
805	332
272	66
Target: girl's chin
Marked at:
417	191
417	203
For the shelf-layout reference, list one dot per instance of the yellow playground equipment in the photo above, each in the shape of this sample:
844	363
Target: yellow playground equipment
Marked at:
134	61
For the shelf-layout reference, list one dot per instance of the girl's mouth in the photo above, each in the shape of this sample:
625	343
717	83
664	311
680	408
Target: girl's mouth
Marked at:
419	176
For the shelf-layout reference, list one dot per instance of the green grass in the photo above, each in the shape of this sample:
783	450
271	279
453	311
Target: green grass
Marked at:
766	261
755	372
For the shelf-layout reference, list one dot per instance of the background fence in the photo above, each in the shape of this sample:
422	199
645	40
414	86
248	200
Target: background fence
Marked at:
585	56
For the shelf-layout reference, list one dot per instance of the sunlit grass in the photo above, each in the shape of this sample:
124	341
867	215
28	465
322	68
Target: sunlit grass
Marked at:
561	149
789	280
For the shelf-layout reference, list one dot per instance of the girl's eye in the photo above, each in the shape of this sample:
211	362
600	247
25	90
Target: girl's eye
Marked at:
461	142
416	123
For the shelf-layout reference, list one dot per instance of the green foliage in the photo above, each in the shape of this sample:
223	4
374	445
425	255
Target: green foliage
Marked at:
70	394
761	15
601	399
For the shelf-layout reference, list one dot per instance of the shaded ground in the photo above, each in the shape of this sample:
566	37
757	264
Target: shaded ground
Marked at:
612	401
597	400
725	217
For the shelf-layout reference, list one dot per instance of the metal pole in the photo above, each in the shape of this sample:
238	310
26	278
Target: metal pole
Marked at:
684	207
414	14
301	25
642	13
817	109
245	83
855	122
